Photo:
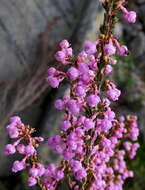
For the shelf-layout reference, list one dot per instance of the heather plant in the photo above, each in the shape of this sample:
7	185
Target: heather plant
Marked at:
94	141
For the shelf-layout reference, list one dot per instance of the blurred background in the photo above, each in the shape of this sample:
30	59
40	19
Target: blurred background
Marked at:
29	33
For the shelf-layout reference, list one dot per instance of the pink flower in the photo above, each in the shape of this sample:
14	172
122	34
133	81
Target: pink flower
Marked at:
73	73
76	165
18	166
105	124
123	51
9	149
83	67
12	131
39	139
53	141
73	107
59	175
80	174
113	94
127	145
110	115
21	149
69	53
65	125
33	172
108	69
80	91
85	78
90	47
29	150
59	104
53	81
88	124
15	119
83	54
130	17
41	169
93	100
60	56
64	44
51	71
68	155
58	149
32	181
110	49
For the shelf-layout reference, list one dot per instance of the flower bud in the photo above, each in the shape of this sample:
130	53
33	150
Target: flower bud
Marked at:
110	49
9	149
130	17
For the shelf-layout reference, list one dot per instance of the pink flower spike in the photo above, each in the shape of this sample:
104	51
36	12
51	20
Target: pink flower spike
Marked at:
57	139
93	142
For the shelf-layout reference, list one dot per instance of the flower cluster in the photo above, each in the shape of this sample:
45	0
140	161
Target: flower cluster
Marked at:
92	137
94	142
129	16
26	146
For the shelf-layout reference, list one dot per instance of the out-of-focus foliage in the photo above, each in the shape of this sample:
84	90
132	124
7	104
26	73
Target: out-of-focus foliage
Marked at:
124	74
138	166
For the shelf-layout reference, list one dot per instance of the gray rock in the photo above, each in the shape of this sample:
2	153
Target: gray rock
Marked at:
134	36
21	23
138	45
141	1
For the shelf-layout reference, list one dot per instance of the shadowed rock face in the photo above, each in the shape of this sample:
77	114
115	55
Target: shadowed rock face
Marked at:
133	98
29	32
21	24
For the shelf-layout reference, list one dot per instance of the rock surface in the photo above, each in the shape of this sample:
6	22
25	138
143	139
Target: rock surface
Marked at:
133	98
29	32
